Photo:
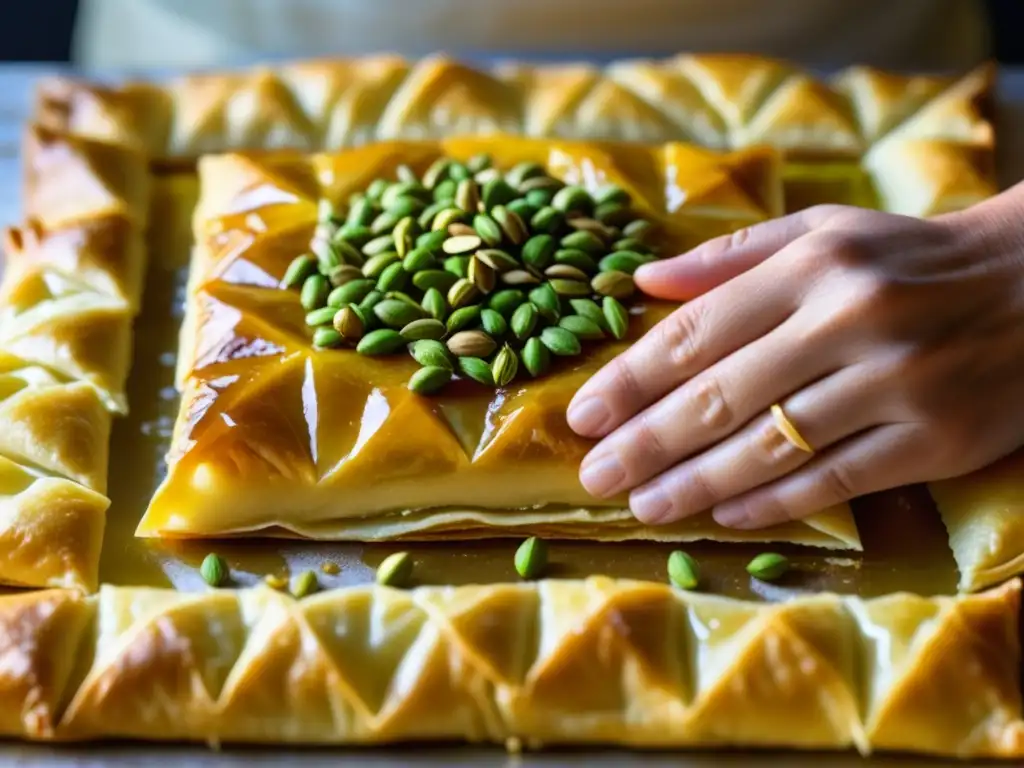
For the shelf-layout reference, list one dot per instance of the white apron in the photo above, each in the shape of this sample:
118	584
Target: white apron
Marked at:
902	34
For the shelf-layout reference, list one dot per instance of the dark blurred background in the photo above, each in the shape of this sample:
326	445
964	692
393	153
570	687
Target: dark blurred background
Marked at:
40	30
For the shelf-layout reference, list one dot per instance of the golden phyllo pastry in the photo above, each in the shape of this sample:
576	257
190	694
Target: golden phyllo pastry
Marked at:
279	436
71	287
558	662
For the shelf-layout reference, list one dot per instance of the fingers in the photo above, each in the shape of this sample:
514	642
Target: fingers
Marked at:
704	410
824	413
691	339
877	460
722	259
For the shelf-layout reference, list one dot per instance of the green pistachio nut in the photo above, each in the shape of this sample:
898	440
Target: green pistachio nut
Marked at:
395	570
374	266
432	241
497	259
429	352
539	251
471	344
768	566
433	278
572	199
683	570
326	337
457	265
423	328
395	313
531	558
583	240
616	317
524	320
547	302
623	261
419	259
321	316
434	303
560	341
430	379
476	369
493	323
463	318
506	301
214	570
576	258
616	284
589	309
505	366
488	230
315	289
348	322
612	193
393	278
301	267
581	327
536	357
353	292
304	584
382	341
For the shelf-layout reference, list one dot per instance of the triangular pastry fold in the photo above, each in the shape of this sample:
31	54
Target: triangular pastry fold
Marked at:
984	513
51	529
345	99
442	97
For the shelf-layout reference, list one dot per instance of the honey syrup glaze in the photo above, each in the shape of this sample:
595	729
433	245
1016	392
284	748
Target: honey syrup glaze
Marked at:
905	544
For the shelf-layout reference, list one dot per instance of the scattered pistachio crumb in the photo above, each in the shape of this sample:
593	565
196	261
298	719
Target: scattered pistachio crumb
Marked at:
330	568
275	581
304	584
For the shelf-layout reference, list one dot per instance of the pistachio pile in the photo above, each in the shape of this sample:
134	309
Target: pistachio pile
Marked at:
475	272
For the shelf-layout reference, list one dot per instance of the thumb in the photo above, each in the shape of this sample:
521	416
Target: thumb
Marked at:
717	261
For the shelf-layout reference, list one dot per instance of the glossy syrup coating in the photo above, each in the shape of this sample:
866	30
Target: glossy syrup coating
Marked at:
275	434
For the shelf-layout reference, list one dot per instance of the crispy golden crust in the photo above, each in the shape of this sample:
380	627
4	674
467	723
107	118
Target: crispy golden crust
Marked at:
70	289
556	662
717	101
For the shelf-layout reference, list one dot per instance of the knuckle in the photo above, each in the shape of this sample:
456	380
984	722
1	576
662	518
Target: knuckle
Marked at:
702	488
839	481
681	336
625	379
740	237
771	447
653	448
712	406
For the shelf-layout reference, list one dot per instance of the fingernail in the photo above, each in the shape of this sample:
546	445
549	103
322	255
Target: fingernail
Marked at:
602	476
650	505
589	416
732	517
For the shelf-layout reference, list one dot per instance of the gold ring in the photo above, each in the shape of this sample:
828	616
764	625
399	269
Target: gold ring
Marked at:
788	430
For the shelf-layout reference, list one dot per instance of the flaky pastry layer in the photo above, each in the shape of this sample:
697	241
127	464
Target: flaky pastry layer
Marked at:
275	435
71	287
555	662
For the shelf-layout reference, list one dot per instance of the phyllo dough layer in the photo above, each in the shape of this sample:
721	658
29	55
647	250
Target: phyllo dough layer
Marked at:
276	436
71	287
554	662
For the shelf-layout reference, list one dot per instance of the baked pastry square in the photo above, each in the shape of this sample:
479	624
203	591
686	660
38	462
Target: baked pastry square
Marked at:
277	436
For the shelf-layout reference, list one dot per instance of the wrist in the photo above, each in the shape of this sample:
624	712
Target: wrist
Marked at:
994	229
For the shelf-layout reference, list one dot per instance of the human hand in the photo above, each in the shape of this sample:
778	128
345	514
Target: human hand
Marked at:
895	346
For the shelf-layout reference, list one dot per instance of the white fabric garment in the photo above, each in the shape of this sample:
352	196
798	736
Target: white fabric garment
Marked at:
903	34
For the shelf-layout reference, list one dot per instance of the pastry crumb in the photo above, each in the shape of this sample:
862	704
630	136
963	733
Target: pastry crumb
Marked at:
274	581
330	568
514	745
843	562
